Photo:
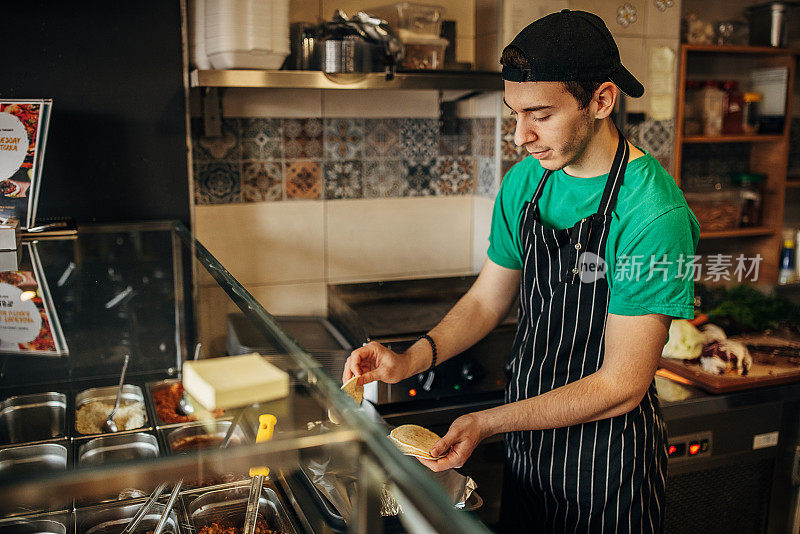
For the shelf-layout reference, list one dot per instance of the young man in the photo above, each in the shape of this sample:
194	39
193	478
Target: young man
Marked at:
597	259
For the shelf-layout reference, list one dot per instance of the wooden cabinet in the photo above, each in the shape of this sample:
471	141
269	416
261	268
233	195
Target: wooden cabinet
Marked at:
768	154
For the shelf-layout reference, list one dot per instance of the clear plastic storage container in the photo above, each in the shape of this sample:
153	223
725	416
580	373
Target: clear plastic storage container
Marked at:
715	210
419	19
423	53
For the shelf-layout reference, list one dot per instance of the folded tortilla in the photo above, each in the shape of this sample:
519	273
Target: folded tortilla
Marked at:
356	392
354	389
415	440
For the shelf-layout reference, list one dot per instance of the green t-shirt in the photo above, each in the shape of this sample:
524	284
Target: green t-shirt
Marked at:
651	241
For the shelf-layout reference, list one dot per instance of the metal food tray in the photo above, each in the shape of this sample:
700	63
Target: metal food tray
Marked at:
112	518
35	459
152	387
33	418
227	506
130	392
50	523
217	428
112	448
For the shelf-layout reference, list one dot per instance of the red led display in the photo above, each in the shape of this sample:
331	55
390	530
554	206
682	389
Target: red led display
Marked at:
694	448
412	392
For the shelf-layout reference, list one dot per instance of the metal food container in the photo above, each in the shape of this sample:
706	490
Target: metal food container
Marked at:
28	418
117	448
130	393
38	524
769	23
202	435
112	519
27	460
152	389
227	507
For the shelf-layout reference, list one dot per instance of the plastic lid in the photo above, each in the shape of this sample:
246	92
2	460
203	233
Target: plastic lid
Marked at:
788	243
748	177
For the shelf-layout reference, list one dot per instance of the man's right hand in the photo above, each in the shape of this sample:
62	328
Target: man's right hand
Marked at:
373	362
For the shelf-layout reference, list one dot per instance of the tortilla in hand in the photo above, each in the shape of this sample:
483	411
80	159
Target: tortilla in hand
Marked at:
414	440
354	389
356	392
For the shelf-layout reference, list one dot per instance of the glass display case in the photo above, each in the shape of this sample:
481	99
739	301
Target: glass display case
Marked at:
153	292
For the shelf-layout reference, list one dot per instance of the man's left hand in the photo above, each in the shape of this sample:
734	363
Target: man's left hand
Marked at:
461	439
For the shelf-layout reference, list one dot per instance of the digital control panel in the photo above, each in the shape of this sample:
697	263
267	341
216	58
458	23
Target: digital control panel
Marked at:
689	446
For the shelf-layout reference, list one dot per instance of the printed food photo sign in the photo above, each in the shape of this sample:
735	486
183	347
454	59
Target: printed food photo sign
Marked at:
28	320
23	133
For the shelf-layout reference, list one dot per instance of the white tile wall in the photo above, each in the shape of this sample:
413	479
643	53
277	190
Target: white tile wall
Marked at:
662	57
292	299
272	103
381	104
487	105
665	23
374	239
481	225
632	53
212	305
608	11
265	242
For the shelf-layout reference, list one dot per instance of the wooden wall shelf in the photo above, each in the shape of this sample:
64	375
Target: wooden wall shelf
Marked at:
733	139
769	154
738	232
728	49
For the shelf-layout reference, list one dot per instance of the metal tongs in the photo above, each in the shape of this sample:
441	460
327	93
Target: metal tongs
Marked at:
131	527
266	425
162	521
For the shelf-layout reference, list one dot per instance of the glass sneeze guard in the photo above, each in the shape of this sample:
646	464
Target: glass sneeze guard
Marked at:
322	476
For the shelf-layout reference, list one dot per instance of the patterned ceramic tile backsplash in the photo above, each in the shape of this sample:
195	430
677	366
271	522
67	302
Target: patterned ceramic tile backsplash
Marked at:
258	160
656	137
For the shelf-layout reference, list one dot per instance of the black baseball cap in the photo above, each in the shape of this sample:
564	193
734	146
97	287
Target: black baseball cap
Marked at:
570	46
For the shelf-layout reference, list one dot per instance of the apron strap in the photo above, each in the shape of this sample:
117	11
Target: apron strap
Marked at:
615	177
539	190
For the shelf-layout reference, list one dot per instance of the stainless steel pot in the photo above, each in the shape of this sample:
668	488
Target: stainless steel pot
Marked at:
769	23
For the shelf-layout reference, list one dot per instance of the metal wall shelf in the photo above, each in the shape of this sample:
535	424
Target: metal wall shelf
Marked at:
296	79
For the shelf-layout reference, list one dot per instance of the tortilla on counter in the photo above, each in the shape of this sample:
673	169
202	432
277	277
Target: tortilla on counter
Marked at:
415	440
356	392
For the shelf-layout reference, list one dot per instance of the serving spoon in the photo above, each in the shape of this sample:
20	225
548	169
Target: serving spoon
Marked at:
185	407
109	425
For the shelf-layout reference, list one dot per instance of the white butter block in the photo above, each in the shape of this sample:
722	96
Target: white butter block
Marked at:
234	381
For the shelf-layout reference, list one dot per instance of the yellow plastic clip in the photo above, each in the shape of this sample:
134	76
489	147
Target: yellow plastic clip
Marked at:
266	426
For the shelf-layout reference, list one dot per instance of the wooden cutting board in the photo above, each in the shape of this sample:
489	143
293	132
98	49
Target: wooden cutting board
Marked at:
765	371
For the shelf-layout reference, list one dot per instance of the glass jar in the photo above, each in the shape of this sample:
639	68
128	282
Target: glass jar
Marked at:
712	108
692	116
750	186
734	107
750	112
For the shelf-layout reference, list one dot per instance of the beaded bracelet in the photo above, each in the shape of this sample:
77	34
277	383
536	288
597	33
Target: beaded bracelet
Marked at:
429	339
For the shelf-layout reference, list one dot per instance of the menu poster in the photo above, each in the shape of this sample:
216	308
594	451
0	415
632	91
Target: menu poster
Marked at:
23	136
28	322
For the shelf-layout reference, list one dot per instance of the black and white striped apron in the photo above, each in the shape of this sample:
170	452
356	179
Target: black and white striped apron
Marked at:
603	476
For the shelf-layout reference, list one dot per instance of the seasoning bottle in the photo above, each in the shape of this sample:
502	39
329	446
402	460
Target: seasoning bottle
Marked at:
750	186
712	108
786	273
692	116
750	112
734	108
